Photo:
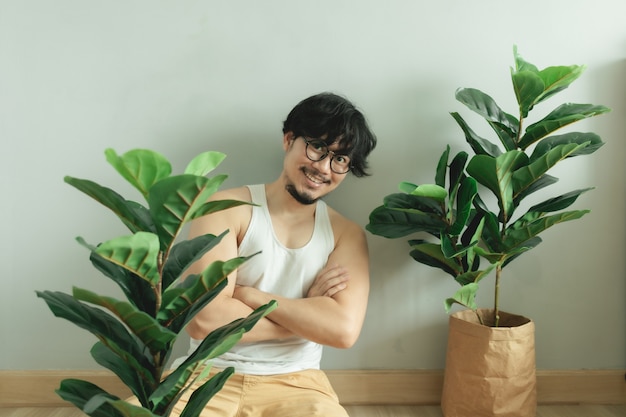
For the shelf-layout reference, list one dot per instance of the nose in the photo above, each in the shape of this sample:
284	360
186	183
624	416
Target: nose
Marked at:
323	165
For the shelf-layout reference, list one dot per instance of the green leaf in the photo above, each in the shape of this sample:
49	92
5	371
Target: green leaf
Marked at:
562	116
521	64
393	223
479	102
131	373
474	276
442	166
144	326
481	146
465	296
216	343
142	168
204	163
217	205
186	253
465	198
528	88
497	175
457	172
174	200
133	215
524	176
432	254
177	303
558	78
138	291
415	204
202	395
558	203
80	392
515	237
430	191
102	325
137	253
544	146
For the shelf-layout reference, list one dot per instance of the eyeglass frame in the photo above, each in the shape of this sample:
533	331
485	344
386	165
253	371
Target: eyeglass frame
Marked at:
308	141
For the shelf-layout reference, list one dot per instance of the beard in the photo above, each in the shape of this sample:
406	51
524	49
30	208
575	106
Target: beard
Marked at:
300	197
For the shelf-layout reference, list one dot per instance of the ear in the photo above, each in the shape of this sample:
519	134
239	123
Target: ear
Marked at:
288	139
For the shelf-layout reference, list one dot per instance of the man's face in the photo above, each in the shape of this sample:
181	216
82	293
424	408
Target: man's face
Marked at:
308	180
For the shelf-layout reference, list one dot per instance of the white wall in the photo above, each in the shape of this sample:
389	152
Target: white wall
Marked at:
183	77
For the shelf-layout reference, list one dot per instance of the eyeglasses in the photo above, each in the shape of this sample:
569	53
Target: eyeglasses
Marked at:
316	150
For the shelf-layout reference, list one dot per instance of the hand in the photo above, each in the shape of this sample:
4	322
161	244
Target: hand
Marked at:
330	280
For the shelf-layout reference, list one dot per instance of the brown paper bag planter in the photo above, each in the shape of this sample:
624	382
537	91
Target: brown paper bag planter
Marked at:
490	371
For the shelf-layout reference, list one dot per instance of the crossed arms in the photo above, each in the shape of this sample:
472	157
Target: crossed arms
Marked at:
333	310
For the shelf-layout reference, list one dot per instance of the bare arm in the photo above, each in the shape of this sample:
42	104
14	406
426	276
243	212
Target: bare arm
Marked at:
333	312
223	309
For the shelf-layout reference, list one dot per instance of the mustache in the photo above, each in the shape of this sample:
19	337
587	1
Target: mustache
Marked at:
316	173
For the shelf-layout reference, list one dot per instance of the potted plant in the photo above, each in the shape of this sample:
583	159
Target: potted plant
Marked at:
136	336
474	217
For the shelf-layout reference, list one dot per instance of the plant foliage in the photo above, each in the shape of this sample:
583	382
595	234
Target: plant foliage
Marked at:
136	336
511	168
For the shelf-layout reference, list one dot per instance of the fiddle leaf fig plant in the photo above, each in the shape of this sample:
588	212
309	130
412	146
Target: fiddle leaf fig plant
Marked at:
455	213
136	336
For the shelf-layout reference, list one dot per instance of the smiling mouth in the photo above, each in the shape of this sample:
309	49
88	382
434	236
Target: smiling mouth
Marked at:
314	178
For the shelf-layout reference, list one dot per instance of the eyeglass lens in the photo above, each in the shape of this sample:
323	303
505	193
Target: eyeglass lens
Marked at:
317	150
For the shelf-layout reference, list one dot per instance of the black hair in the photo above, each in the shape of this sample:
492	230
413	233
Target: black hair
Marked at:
333	118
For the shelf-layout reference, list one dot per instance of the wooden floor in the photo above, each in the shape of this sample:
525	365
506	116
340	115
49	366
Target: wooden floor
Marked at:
371	411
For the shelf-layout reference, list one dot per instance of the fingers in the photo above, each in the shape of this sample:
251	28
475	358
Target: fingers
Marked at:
330	281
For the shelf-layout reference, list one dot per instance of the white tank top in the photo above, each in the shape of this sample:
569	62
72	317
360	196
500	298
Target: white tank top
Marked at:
282	271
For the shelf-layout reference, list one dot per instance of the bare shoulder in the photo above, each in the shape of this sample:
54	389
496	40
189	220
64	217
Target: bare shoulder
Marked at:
344	228
239	193
234	219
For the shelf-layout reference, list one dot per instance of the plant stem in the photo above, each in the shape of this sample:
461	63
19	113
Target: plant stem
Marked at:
496	307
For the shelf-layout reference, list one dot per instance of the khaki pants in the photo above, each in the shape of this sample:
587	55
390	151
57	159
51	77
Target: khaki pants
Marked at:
299	394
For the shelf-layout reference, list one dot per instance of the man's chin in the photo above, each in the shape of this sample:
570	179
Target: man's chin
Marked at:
300	197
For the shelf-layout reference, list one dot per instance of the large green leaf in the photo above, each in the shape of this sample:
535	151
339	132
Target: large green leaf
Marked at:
524	176
465	296
544	146
174	200
140	167
98	322
144	326
480	145
485	106
457	172
131	373
185	301
186	253
218	205
204	163
137	253
558	203
558	78
80	392
415	204
133	215
497	175
138	291
517	236
202	395
442	168
528	87
465	198
562	116
216	343
393	223
431	254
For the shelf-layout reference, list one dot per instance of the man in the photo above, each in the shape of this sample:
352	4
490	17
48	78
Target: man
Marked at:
314	262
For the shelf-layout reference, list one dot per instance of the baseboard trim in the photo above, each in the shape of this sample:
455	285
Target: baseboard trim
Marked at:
401	387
